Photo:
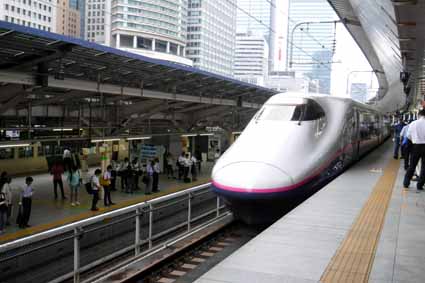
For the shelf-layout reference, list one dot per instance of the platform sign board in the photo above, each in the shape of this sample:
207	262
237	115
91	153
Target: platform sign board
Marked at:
148	151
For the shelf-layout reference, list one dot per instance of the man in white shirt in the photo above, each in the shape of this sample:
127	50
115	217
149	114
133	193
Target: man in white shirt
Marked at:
95	186
416	133
406	146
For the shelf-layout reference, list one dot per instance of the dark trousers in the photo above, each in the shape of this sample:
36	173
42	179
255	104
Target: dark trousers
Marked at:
396	146
55	187
107	198
181	171
418	153
405	150
67	162
124	183
26	210
95	199
155	181
113	180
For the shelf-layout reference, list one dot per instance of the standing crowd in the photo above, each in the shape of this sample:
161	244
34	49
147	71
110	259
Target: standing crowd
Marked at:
410	139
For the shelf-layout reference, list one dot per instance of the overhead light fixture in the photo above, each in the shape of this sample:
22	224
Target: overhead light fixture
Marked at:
208	134
105	140
64	129
236	133
138	138
189	135
14	145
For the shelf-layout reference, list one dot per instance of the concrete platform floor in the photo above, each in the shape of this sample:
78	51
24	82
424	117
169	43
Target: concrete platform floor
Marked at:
321	240
48	213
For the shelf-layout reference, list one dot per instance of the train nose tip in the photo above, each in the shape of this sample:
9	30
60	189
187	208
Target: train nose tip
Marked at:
252	175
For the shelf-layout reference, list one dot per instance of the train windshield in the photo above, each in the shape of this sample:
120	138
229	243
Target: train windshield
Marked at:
296	112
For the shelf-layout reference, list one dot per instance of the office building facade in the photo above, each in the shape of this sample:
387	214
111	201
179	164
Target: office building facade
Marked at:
251	58
68	18
31	13
152	28
98	21
258	17
211	35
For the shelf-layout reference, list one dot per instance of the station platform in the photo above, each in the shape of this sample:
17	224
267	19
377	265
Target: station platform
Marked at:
361	227
48	213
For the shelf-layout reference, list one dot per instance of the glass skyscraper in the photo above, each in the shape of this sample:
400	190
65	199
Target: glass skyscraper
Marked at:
258	17
313	43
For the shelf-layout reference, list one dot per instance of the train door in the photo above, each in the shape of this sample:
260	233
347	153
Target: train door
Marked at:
355	139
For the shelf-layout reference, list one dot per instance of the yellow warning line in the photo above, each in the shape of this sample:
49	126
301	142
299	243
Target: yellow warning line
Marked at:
353	260
87	214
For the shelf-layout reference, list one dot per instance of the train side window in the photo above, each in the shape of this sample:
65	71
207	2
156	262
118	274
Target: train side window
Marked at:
25	152
7	153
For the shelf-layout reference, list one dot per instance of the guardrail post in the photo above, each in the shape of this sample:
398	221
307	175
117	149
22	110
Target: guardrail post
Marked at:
189	211
150	225
77	237
137	236
218	207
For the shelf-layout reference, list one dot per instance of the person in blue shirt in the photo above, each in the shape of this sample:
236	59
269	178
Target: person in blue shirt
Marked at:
397	140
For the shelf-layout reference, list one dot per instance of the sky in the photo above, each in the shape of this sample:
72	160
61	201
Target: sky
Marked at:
349	56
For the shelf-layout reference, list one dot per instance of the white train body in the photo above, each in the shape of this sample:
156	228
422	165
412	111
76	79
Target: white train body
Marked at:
292	144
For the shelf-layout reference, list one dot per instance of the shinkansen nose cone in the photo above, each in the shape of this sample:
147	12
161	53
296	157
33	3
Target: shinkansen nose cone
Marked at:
256	177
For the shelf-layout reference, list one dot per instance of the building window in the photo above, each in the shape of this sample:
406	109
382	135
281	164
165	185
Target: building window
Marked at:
161	46
25	152
144	43
6	153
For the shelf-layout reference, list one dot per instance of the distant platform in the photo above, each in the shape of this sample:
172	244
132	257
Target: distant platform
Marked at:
362	227
48	213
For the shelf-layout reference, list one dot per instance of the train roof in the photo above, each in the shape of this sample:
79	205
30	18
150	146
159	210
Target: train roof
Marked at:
300	98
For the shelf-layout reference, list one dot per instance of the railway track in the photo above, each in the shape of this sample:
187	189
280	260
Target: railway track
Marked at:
187	259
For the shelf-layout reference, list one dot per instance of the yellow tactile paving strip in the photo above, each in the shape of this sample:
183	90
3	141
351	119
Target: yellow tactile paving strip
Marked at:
354	258
84	215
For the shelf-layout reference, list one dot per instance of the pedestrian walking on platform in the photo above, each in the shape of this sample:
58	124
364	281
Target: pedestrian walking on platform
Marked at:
416	133
156	171
106	183
74	182
26	202
95	186
57	171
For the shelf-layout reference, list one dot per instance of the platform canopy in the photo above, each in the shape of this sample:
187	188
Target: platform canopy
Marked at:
62	77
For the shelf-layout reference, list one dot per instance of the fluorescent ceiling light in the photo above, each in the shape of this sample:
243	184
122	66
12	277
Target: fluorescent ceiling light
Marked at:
189	135
236	133
106	140
64	129
14	145
138	138
210	134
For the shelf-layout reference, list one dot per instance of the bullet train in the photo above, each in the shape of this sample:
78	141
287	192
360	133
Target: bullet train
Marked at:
292	146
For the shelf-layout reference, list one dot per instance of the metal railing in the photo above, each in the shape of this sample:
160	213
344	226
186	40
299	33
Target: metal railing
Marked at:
75	231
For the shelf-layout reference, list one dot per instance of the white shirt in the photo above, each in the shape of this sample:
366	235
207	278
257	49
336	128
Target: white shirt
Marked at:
416	131
95	183
156	168
8	192
107	175
403	132
66	153
27	191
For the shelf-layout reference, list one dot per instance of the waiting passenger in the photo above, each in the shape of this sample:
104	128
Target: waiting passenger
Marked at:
198	156
57	171
156	171
187	166
416	133
406	146
4	203
114	175
149	177
123	174
136	173
169	161
107	186
95	186
7	189
67	159
26	202
216	155
397	140
194	168
74	181
180	165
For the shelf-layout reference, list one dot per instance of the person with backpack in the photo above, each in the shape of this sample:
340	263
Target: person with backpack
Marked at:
3	208
74	180
106	184
95	188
